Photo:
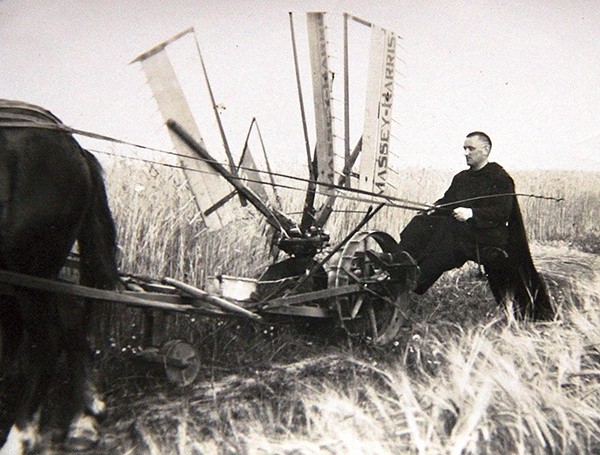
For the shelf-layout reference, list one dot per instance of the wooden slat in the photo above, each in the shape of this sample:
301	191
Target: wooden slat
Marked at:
314	296
303	311
46	285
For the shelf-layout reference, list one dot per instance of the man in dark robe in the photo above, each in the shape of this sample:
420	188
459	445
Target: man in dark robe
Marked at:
479	219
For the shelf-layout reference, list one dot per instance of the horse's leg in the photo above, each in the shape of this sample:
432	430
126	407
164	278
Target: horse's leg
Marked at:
10	378
41	350
12	329
86	403
97	246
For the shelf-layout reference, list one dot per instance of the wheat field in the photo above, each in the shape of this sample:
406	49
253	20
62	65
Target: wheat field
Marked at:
160	231
464	377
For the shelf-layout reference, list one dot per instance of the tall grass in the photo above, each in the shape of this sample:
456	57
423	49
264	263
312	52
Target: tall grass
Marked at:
160	230
463	377
484	384
572	220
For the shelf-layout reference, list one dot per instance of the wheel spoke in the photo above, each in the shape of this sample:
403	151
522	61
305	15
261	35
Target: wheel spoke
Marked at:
372	319
379	312
357	305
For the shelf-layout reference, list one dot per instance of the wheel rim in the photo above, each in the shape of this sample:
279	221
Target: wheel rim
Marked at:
378	318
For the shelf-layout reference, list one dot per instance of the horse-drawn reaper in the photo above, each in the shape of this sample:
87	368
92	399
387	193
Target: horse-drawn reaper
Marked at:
52	194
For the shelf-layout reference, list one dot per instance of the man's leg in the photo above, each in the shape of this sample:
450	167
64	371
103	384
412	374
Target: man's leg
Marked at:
437	244
434	265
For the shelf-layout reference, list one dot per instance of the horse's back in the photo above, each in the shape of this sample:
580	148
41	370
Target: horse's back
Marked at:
46	188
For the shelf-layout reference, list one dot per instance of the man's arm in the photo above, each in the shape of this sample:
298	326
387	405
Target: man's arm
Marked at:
491	211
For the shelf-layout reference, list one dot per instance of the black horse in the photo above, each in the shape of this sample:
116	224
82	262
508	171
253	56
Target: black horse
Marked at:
52	194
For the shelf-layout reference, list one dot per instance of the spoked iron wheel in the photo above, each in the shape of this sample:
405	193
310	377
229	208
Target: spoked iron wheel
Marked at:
379	312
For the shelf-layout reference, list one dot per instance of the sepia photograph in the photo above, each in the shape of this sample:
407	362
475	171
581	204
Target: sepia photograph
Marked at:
268	227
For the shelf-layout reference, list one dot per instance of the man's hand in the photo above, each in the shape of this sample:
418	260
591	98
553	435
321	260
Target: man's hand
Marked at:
462	213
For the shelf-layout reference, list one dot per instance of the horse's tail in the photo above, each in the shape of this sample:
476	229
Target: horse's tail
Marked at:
98	237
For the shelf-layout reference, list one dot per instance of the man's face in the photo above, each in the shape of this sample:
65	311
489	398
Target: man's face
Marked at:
476	152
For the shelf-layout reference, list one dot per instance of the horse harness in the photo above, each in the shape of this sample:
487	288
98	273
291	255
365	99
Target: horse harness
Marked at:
20	114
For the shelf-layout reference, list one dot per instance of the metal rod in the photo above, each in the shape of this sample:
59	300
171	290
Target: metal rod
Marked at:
312	296
239	166
275	218
308	212
360	20
327	208
490	196
302	113
271	177
346	101
218	116
215	109
211	299
220	203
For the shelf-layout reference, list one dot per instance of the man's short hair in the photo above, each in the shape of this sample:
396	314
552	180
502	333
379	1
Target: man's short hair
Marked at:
483	137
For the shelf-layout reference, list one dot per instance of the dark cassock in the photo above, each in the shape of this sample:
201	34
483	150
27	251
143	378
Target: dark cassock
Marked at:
494	237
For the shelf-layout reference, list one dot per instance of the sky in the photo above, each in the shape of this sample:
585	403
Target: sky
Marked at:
525	72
